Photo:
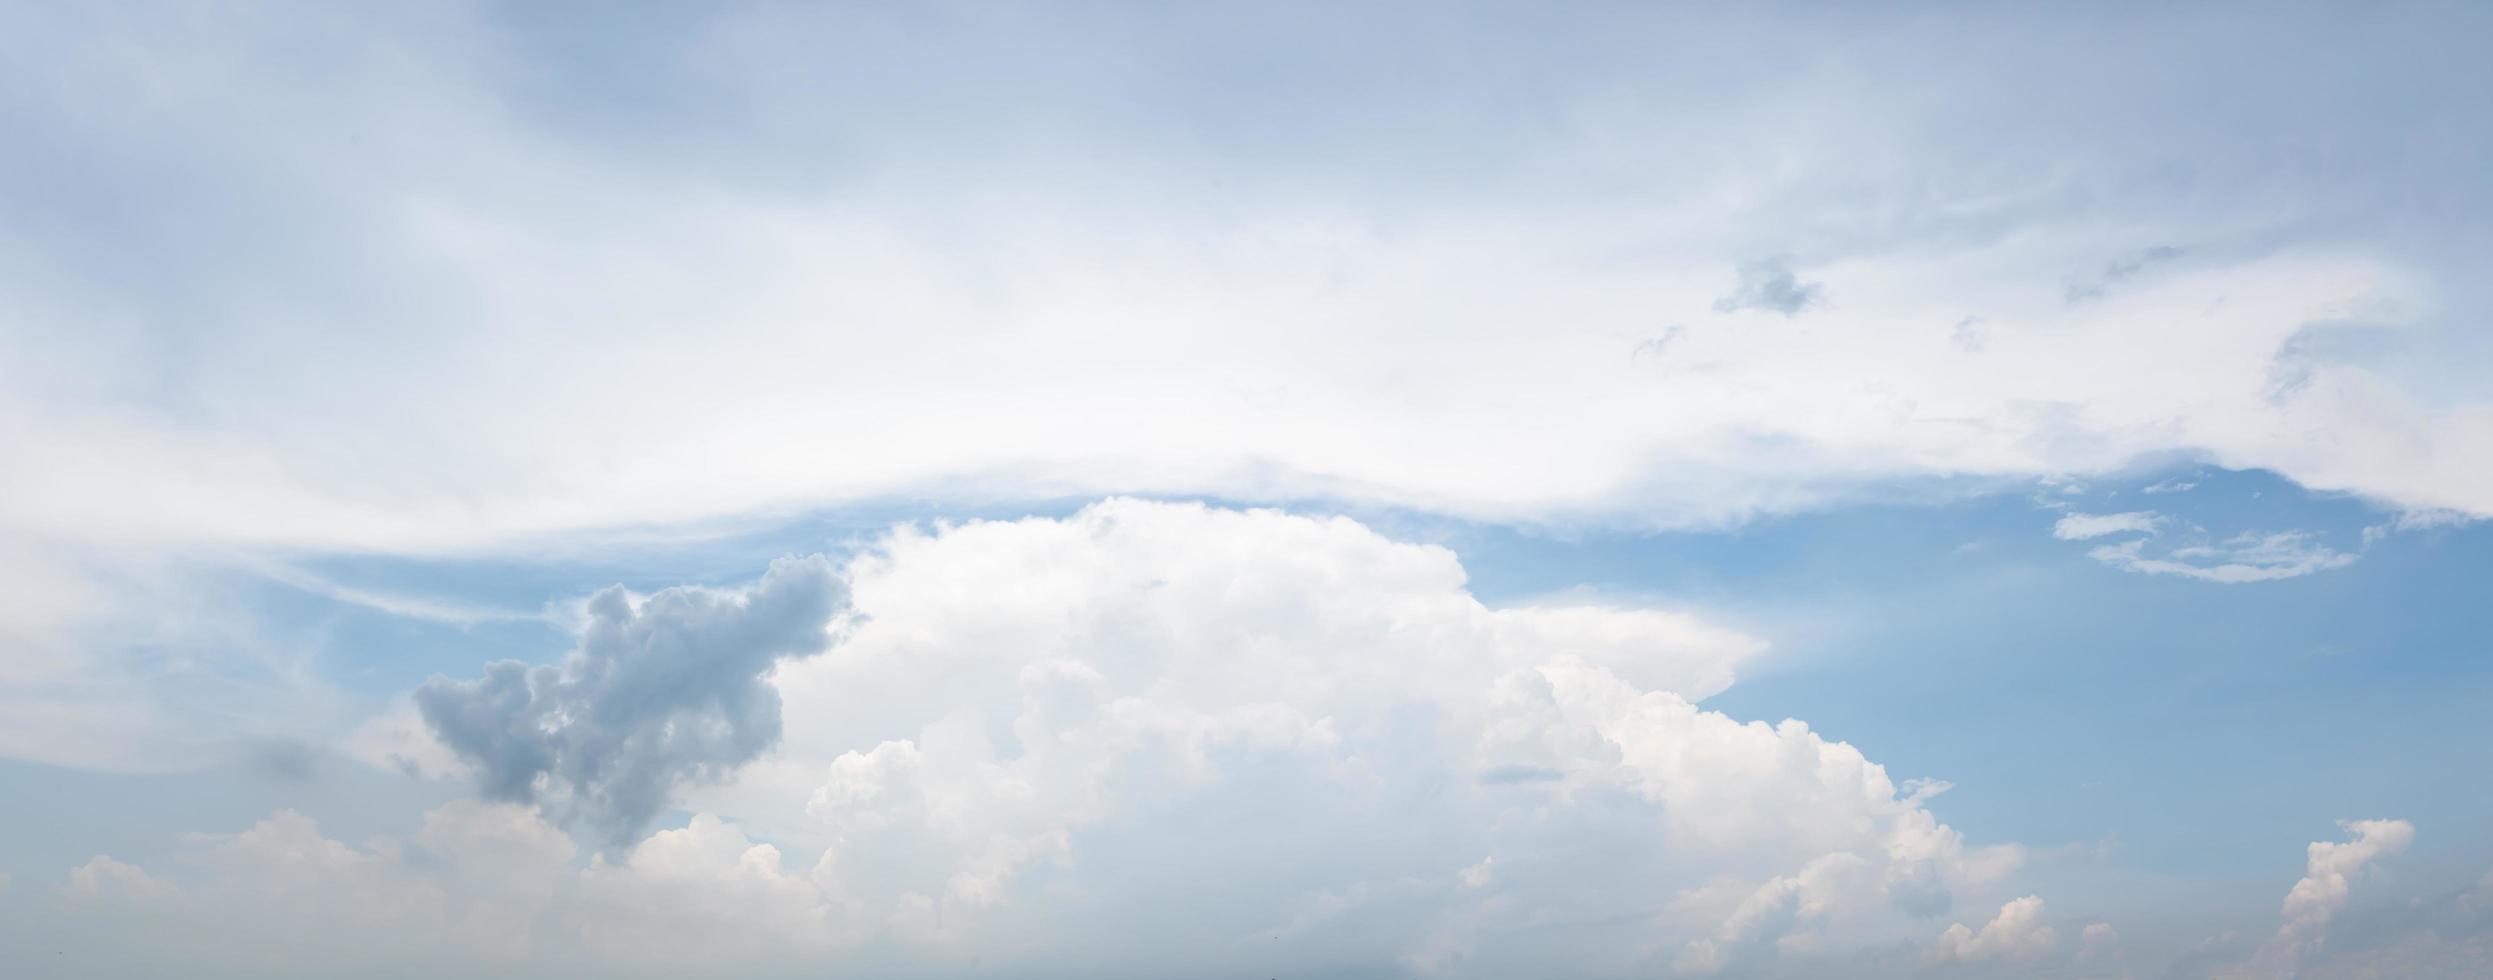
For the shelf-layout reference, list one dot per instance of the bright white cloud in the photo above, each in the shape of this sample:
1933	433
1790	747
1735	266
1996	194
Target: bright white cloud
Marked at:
1026	703
1041	734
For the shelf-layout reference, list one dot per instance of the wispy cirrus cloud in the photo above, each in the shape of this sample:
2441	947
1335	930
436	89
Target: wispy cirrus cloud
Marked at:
2247	557
2079	527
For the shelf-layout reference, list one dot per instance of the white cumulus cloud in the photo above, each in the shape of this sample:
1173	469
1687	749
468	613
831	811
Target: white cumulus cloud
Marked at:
1145	734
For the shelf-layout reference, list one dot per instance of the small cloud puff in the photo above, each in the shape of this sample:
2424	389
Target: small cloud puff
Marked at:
1769	284
2016	935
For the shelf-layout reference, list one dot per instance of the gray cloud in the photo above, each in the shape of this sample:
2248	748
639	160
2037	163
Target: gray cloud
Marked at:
1768	284
282	758
671	691
2119	270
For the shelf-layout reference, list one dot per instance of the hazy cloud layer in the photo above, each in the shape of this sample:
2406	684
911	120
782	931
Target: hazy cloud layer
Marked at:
456	279
839	229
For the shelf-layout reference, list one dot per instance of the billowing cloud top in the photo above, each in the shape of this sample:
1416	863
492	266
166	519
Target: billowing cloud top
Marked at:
1041	733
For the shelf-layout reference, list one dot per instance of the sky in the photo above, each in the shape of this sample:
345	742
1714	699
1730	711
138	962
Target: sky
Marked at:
1261	490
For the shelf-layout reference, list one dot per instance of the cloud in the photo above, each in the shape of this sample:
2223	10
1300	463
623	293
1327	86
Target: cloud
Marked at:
2248	557
2079	527
1120	742
1769	284
2419	955
2423	938
288	759
398	740
1051	694
560	333
2329	879
2016	935
2101	940
1751	934
478	888
672	688
1249	334
2416	520
103	879
2119	270
409	606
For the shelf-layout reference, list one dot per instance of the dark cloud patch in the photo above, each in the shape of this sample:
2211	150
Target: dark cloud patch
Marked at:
670	692
287	759
2119	270
1769	284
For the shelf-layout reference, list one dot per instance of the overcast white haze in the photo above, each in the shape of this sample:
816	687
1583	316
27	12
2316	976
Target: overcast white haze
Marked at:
1070	490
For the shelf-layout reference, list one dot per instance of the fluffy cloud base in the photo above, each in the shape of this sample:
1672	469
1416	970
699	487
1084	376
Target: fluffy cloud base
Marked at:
1124	742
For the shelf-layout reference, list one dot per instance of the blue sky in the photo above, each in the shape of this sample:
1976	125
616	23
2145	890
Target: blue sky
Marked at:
1372	490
